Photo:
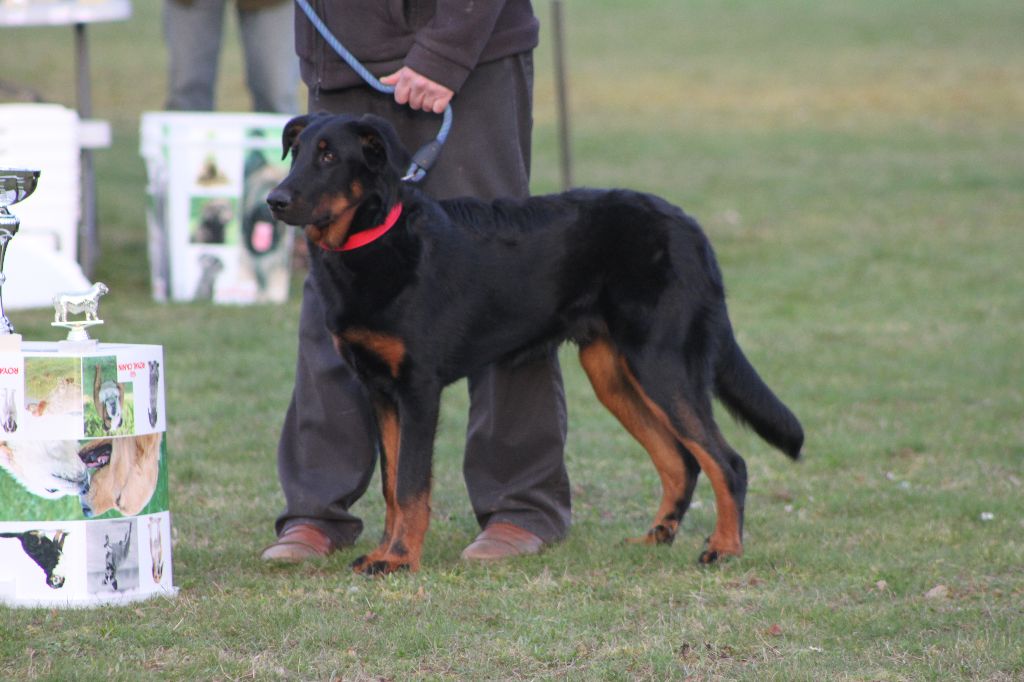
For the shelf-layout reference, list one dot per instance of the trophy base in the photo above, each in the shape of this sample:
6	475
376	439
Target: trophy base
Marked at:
10	343
84	346
77	330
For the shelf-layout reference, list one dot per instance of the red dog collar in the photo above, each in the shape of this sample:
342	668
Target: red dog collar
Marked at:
366	236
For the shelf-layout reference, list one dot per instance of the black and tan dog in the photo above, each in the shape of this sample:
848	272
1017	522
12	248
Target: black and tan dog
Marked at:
419	293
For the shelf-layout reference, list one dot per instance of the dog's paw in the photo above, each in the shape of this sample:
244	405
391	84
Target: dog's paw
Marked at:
368	566
658	535
717	552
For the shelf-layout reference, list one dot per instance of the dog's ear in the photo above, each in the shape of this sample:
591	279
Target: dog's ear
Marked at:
372	134
381	146
292	129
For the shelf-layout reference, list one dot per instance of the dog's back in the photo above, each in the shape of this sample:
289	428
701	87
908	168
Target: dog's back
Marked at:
553	268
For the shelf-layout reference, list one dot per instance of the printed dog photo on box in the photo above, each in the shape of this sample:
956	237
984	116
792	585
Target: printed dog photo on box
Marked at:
112	556
110	404
53	386
45	549
266	242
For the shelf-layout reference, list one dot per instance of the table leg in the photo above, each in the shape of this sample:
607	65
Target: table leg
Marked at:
88	237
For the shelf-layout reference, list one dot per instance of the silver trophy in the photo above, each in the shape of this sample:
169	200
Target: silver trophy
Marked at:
15	185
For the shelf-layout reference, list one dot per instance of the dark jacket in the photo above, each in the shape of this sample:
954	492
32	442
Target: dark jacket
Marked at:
440	39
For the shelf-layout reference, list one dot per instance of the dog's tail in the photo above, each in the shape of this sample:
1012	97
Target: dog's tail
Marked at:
748	398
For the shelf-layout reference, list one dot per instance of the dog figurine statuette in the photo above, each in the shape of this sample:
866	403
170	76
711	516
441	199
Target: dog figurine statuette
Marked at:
87	302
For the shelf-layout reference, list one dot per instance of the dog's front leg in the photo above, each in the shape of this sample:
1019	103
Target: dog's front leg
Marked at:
406	433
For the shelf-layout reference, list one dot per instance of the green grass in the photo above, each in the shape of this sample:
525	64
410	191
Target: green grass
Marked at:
858	167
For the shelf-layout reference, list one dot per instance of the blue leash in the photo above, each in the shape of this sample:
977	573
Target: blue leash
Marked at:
423	159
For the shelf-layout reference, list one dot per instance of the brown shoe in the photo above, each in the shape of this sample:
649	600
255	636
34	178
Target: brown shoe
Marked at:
297	543
502	541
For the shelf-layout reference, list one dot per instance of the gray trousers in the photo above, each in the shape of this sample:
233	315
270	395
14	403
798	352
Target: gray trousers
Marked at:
194	34
513	466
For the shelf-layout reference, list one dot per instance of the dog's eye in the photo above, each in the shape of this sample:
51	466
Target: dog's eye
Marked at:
327	156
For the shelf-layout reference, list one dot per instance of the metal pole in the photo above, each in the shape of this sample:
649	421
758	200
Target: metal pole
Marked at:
561	87
89	243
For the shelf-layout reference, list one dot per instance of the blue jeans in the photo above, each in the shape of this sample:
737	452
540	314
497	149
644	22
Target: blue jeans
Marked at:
194	34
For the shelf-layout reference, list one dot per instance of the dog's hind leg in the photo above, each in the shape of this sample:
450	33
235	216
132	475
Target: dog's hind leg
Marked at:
738	468
685	411
406	438
676	467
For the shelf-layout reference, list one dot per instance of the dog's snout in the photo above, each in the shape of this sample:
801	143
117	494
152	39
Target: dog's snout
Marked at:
279	199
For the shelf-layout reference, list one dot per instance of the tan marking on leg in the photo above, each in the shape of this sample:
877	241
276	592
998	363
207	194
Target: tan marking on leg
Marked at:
407	544
387	422
608	375
405	523
405	548
725	540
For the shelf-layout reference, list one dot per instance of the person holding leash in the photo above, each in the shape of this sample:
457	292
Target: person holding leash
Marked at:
478	56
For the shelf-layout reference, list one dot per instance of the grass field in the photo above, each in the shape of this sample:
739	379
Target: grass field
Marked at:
859	167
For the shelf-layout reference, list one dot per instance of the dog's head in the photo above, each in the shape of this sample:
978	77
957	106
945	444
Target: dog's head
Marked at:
47	468
128	478
112	394
345	175
108	397
262	235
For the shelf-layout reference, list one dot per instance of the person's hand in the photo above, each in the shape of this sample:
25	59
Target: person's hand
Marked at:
419	92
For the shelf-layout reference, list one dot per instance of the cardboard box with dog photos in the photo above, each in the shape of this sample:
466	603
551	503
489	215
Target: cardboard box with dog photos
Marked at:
211	234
